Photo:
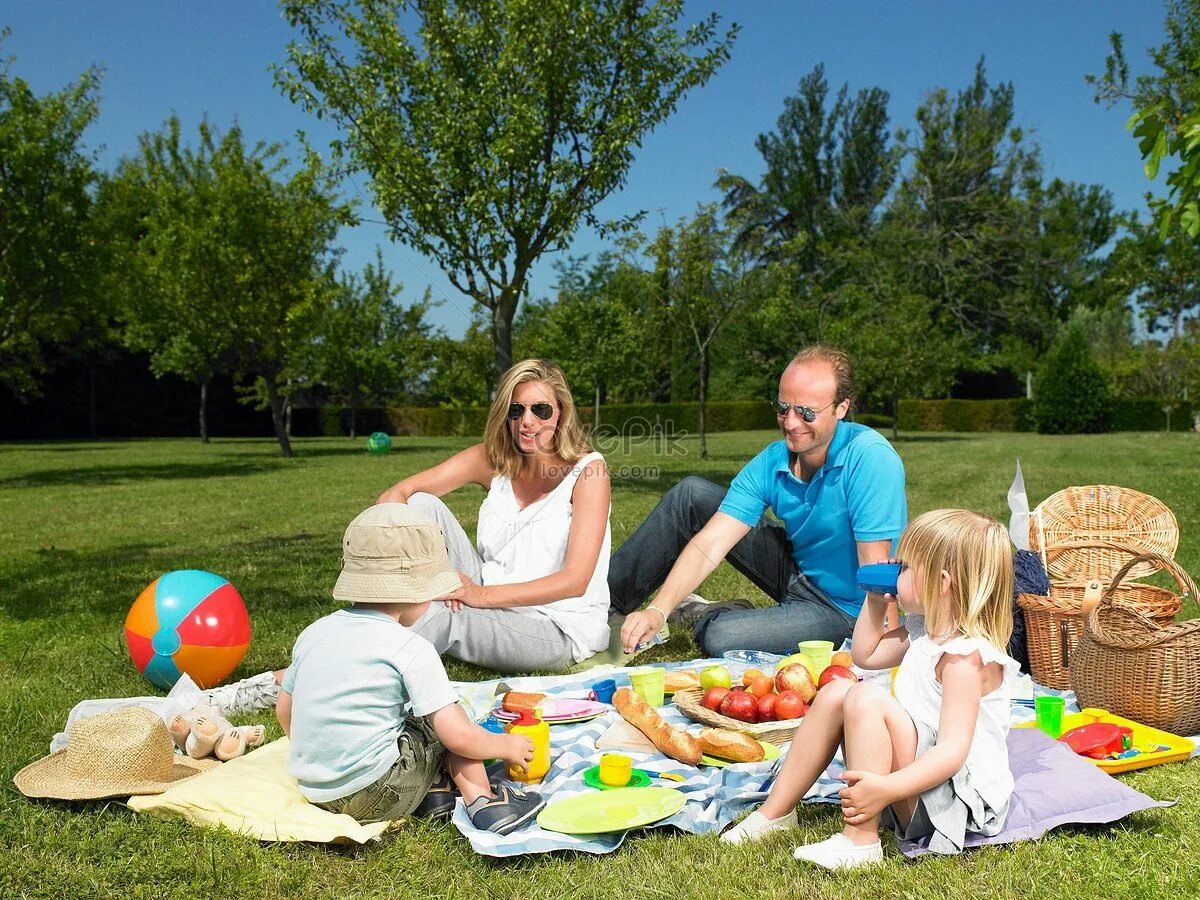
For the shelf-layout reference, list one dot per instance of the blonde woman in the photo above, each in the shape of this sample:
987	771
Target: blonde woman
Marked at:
534	592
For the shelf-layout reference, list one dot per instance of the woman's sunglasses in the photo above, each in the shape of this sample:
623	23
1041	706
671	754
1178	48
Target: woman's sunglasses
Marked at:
807	413
542	410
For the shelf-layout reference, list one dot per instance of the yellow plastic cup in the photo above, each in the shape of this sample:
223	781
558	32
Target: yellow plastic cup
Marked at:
615	769
649	684
820	652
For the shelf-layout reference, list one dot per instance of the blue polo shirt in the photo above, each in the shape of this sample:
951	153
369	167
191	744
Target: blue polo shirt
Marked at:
858	495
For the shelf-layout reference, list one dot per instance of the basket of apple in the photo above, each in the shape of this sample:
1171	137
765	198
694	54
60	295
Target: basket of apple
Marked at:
766	707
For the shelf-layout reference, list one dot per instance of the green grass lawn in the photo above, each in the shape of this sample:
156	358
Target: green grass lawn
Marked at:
85	526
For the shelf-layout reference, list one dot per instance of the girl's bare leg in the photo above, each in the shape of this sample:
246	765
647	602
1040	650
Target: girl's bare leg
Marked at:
814	745
881	738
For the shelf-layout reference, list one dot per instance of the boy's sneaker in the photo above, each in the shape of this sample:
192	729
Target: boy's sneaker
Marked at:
839	852
507	811
246	696
693	606
438	802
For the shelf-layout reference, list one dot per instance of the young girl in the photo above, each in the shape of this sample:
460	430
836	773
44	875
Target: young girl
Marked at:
932	761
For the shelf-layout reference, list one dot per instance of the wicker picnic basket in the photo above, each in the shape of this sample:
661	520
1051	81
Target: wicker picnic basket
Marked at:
1054	623
1139	667
1086	533
688	702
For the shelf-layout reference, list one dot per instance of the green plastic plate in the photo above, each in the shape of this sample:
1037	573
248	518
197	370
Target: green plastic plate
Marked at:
615	810
637	778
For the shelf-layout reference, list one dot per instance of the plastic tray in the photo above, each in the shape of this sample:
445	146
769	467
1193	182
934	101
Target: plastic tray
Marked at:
1178	750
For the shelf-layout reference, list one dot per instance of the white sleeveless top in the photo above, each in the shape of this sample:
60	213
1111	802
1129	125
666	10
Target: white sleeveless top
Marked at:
524	544
920	693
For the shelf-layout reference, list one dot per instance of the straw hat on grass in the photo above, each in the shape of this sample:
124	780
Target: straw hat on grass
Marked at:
118	753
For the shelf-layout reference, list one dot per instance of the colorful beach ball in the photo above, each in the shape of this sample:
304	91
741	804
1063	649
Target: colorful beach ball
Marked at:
187	621
379	442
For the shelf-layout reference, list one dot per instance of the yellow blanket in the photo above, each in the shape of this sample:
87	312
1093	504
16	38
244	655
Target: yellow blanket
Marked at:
255	796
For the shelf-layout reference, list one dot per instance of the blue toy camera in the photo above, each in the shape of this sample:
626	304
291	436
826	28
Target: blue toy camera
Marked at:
878	578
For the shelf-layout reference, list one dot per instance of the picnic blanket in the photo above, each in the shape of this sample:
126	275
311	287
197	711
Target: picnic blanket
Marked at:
715	796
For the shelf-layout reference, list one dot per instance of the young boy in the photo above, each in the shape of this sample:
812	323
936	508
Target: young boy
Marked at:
367	704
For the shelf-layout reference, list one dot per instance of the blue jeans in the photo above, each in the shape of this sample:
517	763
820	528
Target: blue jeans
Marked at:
801	612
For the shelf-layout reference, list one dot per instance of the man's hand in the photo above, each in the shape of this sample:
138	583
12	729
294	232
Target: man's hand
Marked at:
640	627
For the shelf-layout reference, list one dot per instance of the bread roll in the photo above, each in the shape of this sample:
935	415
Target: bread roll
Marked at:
732	745
674	742
519	701
680	681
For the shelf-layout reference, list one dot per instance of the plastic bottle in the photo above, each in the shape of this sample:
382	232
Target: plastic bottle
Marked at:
537	731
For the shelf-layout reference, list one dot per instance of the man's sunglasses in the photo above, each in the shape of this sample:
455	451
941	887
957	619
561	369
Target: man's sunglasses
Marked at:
807	413
542	410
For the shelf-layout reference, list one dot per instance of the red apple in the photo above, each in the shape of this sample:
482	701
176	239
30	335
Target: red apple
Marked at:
795	677
790	705
713	697
766	707
832	672
740	705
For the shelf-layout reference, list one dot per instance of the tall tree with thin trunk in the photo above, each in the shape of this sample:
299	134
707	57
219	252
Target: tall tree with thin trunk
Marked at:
491	129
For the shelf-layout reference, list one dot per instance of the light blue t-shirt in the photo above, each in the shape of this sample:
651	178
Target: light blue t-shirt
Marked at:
858	495
355	675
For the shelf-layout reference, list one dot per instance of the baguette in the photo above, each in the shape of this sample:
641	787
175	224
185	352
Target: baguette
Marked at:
518	701
732	745
674	742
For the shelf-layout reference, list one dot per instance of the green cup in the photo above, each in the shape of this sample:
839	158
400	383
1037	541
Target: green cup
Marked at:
820	652
649	684
1049	713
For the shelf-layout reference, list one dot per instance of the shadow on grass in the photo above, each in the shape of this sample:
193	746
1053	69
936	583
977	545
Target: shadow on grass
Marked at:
289	571
927	438
100	475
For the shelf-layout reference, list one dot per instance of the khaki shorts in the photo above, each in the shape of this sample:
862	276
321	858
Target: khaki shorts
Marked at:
404	785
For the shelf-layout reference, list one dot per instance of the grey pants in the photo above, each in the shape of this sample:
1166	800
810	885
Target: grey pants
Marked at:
507	640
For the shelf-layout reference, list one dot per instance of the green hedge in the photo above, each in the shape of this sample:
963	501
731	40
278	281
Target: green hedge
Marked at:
437	420
1139	414
966	415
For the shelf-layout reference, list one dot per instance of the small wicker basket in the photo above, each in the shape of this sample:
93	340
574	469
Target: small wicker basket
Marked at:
1138	667
1085	533
688	702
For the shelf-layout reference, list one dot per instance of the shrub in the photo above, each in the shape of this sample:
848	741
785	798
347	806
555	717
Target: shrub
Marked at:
1070	393
873	420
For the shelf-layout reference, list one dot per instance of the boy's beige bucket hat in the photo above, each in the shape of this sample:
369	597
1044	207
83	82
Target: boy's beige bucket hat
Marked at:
119	753
392	553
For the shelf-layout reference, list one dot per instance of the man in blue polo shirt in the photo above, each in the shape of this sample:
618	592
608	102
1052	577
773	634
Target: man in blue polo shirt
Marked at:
837	489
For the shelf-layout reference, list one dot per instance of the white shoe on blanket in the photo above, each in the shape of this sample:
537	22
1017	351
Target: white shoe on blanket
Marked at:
248	695
839	852
756	826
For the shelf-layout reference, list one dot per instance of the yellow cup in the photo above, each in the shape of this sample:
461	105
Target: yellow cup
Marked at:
820	652
649	684
615	769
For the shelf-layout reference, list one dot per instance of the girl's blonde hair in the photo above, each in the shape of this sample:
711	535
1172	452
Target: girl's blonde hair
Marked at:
974	550
569	441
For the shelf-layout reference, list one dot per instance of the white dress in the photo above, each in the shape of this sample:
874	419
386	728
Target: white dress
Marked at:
519	545
976	797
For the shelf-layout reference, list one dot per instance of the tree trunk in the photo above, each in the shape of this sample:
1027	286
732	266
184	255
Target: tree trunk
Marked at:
92	401
703	399
204	409
895	410
502	319
285	445
596	409
287	416
353	419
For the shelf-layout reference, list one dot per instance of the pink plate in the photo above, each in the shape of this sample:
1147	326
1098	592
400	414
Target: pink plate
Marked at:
561	710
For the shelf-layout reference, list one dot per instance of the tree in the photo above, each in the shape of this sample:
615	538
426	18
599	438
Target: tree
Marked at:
237	260
47	255
828	168
704	279
369	348
1166	118
491	133
1070	394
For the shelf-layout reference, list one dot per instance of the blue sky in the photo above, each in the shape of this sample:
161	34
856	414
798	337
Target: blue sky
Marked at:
211	56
